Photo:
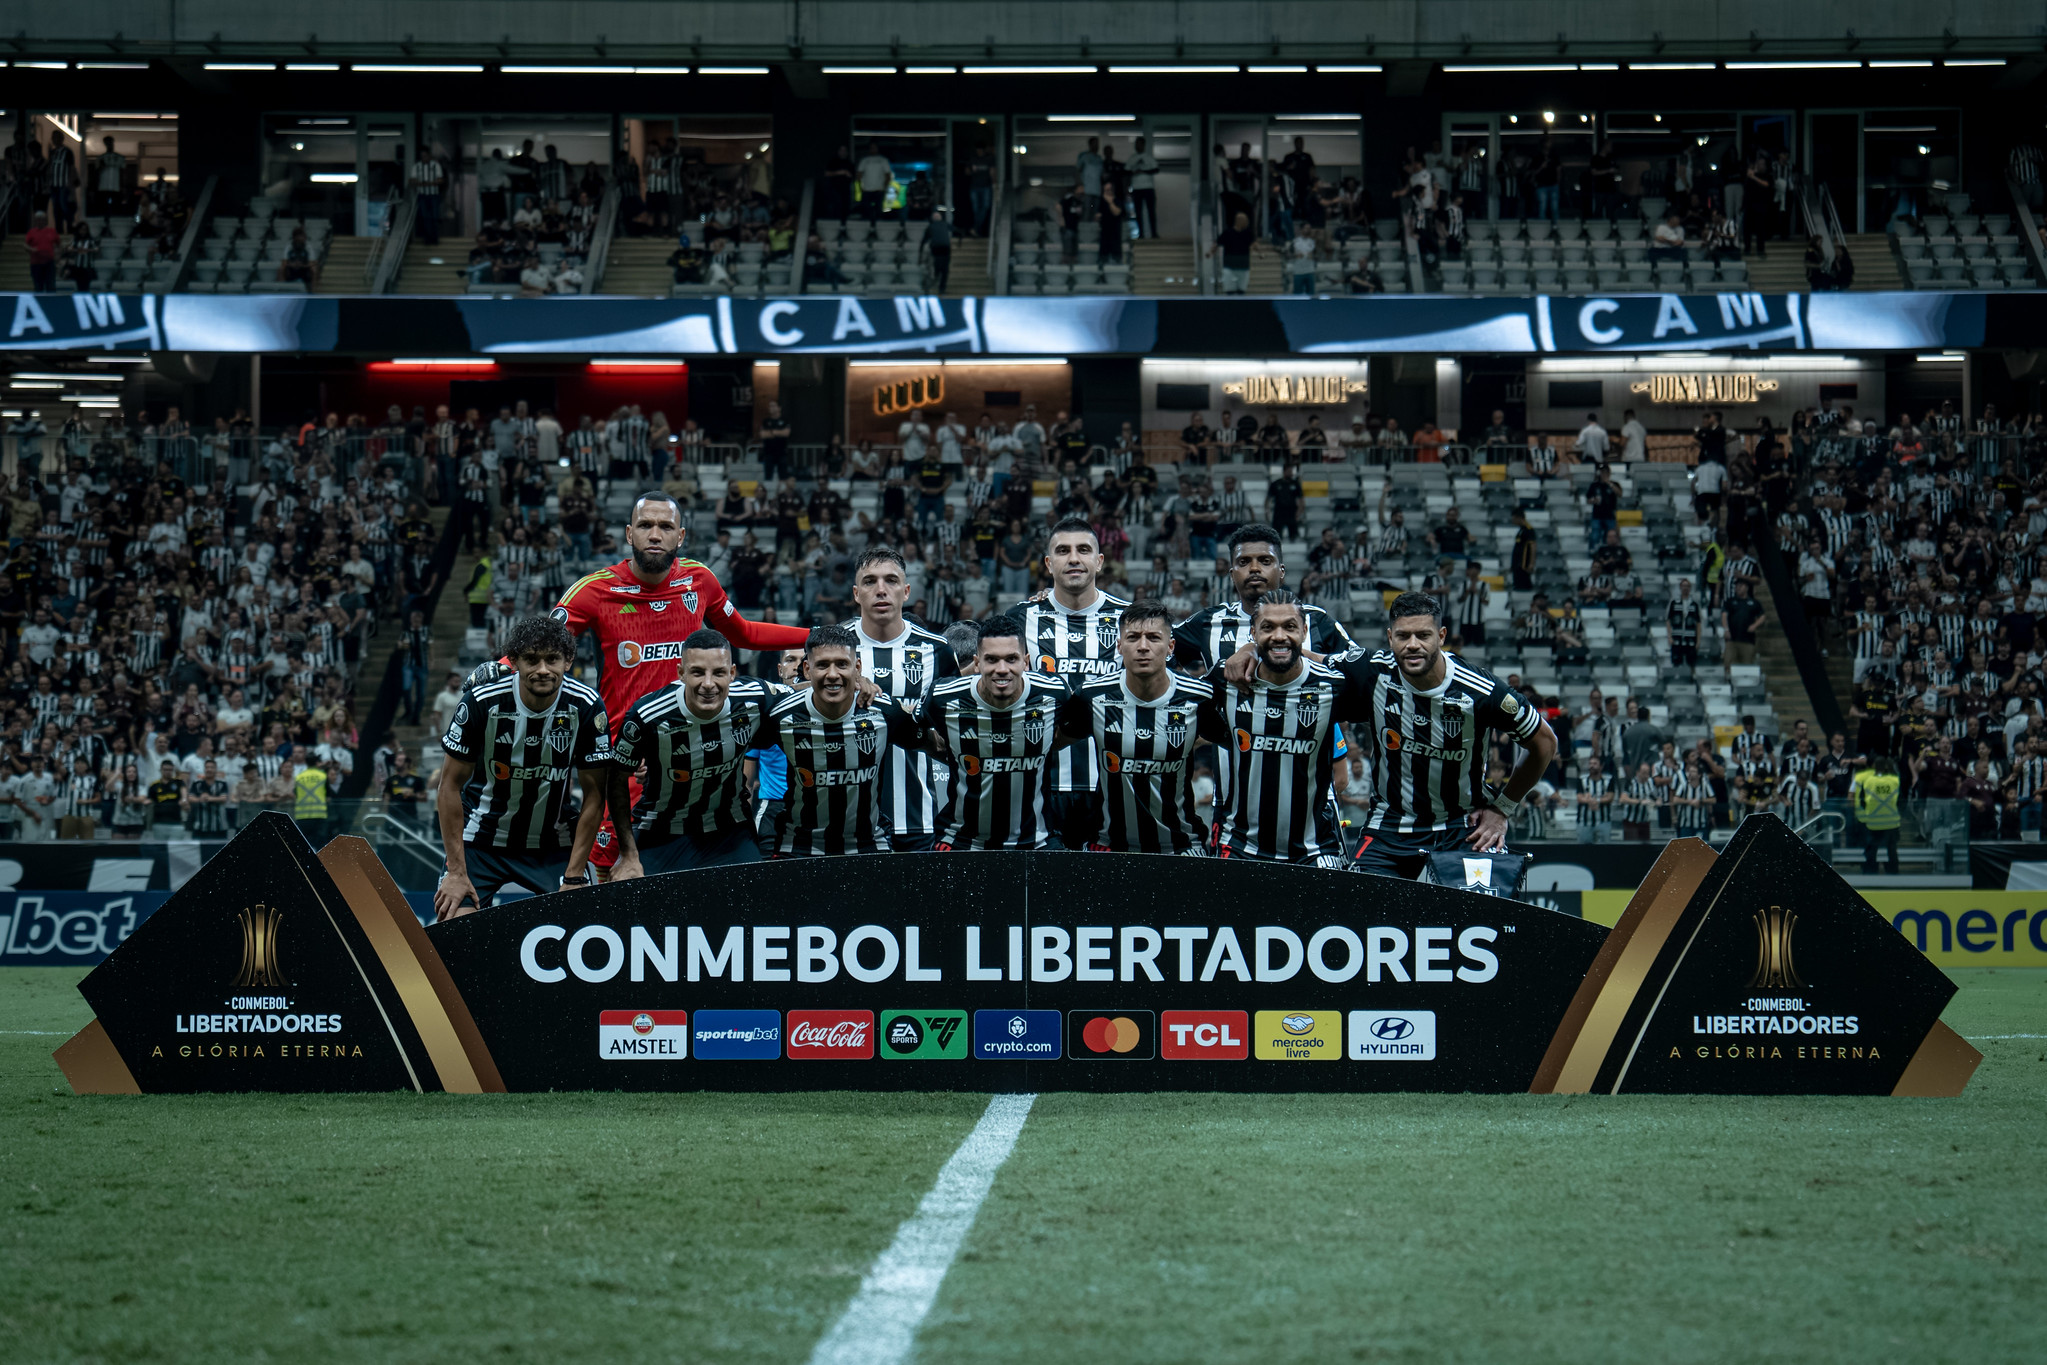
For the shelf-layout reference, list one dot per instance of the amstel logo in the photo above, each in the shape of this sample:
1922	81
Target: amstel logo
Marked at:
260	969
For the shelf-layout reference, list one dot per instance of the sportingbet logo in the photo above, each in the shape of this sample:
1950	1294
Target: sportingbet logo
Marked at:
1298	1035
1393	1035
737	1035
1205	1035
643	1035
847	1035
924	1035
631	653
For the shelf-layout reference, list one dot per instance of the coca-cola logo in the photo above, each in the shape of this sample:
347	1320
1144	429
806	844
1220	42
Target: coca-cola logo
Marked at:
844	1035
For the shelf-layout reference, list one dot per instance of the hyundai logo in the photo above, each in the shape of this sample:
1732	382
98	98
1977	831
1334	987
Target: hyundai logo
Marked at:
1392	1030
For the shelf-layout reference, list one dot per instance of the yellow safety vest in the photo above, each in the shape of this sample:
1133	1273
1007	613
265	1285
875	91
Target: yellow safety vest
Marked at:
1876	799
479	583
309	786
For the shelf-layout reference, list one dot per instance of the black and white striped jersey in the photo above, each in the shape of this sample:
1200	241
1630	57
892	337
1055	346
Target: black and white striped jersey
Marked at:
517	797
1692	818
1277	803
1428	748
1147	792
999	759
1682	616
1210	636
913	785
1075	645
835	771
693	783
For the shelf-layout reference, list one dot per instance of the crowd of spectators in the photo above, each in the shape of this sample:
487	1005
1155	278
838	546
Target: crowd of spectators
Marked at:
182	652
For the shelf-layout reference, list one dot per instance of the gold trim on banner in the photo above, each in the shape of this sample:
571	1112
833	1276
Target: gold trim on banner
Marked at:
1941	1066
453	1042
93	1065
1594	1019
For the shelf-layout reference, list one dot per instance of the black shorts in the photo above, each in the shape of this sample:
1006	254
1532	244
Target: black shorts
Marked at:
1075	818
680	852
491	869
1330	862
912	843
1393	854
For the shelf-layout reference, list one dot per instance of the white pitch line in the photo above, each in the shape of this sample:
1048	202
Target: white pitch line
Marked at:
32	1033
1986	1037
880	1325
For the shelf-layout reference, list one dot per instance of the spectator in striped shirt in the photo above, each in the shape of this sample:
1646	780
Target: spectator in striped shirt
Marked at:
1596	796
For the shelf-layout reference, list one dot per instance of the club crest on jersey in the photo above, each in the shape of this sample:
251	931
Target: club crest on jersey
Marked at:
913	667
1176	728
1106	631
742	732
689	601
1034	727
1308	707
866	736
559	737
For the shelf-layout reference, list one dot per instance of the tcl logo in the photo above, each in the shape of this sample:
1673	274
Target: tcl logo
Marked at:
1204	1035
842	1034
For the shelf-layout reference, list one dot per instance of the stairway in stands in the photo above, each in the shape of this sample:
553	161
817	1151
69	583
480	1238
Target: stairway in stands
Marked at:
1163	266
1781	270
419	274
638	265
14	264
342	271
969	275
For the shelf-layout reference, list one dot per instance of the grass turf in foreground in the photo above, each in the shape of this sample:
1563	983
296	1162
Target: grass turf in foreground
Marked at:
1137	1227
1487	1228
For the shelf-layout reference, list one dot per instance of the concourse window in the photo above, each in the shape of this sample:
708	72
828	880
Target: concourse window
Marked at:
1666	158
1912	162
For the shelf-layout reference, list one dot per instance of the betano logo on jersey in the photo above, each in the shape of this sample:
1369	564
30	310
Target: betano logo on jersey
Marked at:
1141	767
847	777
973	766
1100	668
707	771
538	772
1396	743
631	653
1249	743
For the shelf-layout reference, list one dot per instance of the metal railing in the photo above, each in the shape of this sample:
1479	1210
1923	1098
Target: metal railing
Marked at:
1200	224
1814	220
1001	223
188	245
601	233
387	259
2029	229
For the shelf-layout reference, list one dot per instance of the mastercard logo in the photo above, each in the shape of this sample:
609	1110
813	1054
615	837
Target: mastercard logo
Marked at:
1104	1034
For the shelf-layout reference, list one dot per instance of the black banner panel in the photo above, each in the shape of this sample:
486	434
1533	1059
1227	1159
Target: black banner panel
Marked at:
1758	971
1018	971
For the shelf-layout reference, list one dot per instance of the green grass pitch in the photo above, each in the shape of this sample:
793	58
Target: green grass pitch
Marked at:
1167	1228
